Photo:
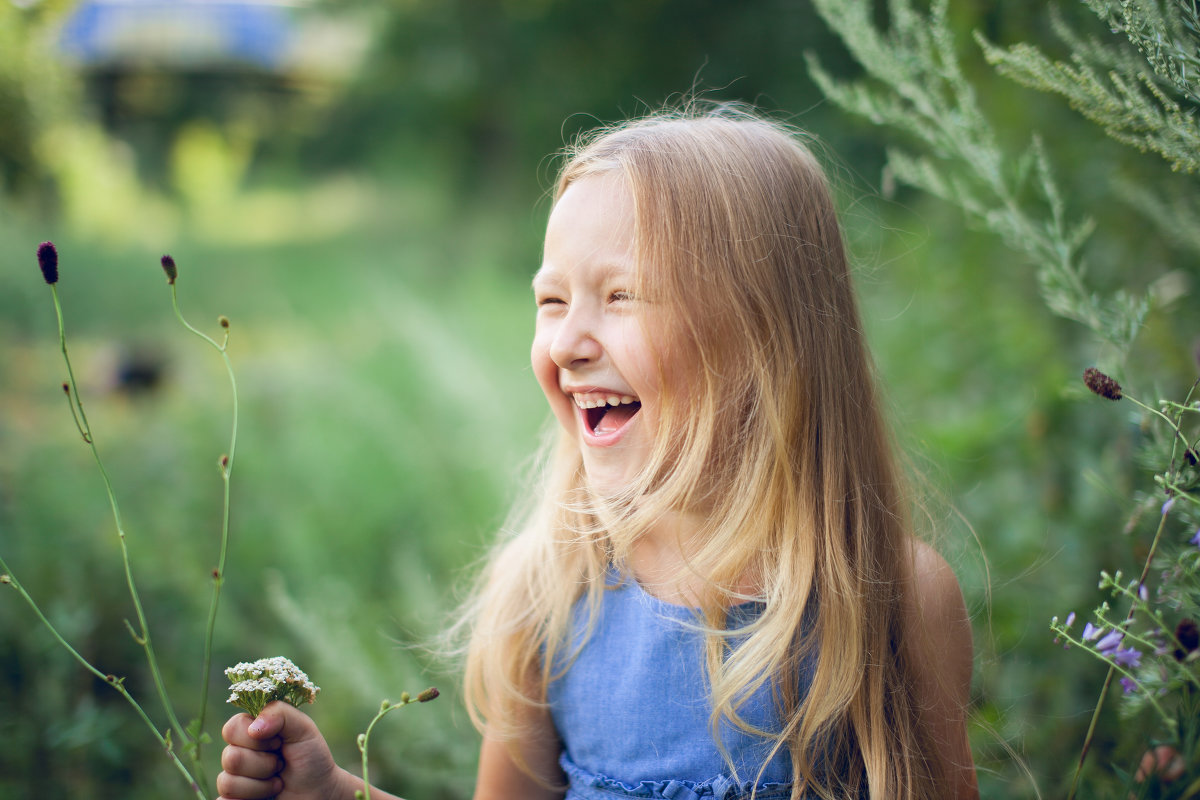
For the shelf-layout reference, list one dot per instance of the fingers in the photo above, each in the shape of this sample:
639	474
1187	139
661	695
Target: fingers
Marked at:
250	766
255	764
1162	761
239	787
279	723
280	744
244	731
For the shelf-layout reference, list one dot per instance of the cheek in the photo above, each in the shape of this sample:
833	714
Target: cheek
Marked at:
647	363
546	372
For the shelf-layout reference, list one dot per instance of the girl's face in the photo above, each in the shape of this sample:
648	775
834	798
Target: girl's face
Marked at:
591	353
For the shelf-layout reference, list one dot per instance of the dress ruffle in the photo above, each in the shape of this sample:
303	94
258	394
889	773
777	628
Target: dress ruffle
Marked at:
586	785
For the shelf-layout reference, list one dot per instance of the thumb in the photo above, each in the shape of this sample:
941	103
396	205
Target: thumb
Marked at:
284	720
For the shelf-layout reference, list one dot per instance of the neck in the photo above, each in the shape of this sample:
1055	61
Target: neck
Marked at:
662	561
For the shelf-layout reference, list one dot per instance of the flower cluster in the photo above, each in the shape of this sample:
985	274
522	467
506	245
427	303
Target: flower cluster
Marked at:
1154	646
254	684
1152	658
1108	642
1102	384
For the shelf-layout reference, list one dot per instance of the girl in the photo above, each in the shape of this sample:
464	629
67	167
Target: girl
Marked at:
717	592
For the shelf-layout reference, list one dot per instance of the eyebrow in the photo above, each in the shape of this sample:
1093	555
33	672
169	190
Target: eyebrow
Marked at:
606	272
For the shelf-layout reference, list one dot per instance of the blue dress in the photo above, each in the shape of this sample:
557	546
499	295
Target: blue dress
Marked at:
633	710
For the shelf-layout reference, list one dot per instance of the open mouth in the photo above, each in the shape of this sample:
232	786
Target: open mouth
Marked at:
607	414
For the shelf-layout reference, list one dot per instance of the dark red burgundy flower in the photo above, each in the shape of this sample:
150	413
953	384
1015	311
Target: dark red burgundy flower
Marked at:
47	258
1101	384
168	265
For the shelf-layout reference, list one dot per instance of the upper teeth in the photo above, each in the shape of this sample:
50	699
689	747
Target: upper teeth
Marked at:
595	401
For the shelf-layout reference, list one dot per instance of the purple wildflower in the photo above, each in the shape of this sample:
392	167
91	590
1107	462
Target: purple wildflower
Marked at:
1196	539
1070	619
1129	685
1128	657
1143	593
1090	631
1167	506
1109	643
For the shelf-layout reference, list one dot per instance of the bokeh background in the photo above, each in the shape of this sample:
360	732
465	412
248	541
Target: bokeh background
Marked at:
361	187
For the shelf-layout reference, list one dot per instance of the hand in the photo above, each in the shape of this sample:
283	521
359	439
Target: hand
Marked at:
279	754
1162	761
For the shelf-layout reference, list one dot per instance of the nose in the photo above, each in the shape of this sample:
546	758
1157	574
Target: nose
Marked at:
574	342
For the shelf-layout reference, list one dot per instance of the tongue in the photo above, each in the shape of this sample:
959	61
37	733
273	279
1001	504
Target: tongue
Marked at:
615	417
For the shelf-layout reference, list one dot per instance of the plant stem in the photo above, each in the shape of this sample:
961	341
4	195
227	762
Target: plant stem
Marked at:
1172	423
226	470
116	683
144	637
1087	741
1091	731
364	740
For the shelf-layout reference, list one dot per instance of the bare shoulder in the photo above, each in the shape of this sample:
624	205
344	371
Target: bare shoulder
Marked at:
933	597
936	624
937	633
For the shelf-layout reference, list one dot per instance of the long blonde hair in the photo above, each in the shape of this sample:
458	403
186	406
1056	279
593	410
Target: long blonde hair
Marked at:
777	438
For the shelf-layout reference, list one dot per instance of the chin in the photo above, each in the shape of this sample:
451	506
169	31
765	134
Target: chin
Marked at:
605	483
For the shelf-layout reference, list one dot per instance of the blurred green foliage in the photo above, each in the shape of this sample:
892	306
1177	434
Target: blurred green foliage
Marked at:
957	144
372	242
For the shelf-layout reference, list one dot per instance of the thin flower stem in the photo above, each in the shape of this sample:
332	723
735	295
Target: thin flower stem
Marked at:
1087	741
364	741
73	390
1186	406
1162	712
1174	425
1175	492
226	470
143	638
79	426
1091	731
116	683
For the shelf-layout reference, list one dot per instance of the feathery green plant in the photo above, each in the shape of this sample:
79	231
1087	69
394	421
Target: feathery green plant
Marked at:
1146	95
1141	88
915	83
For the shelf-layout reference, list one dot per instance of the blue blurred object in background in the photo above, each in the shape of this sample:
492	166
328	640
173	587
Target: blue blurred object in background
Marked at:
178	33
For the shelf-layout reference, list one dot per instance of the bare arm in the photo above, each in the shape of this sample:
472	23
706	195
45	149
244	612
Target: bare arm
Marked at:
501	778
938	634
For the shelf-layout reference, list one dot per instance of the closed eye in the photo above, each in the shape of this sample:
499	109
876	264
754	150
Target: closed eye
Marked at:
550	300
620	296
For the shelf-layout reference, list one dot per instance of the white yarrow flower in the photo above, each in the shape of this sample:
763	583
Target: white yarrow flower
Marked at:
256	683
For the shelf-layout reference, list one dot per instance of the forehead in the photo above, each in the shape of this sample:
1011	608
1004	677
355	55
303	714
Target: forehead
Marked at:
592	225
